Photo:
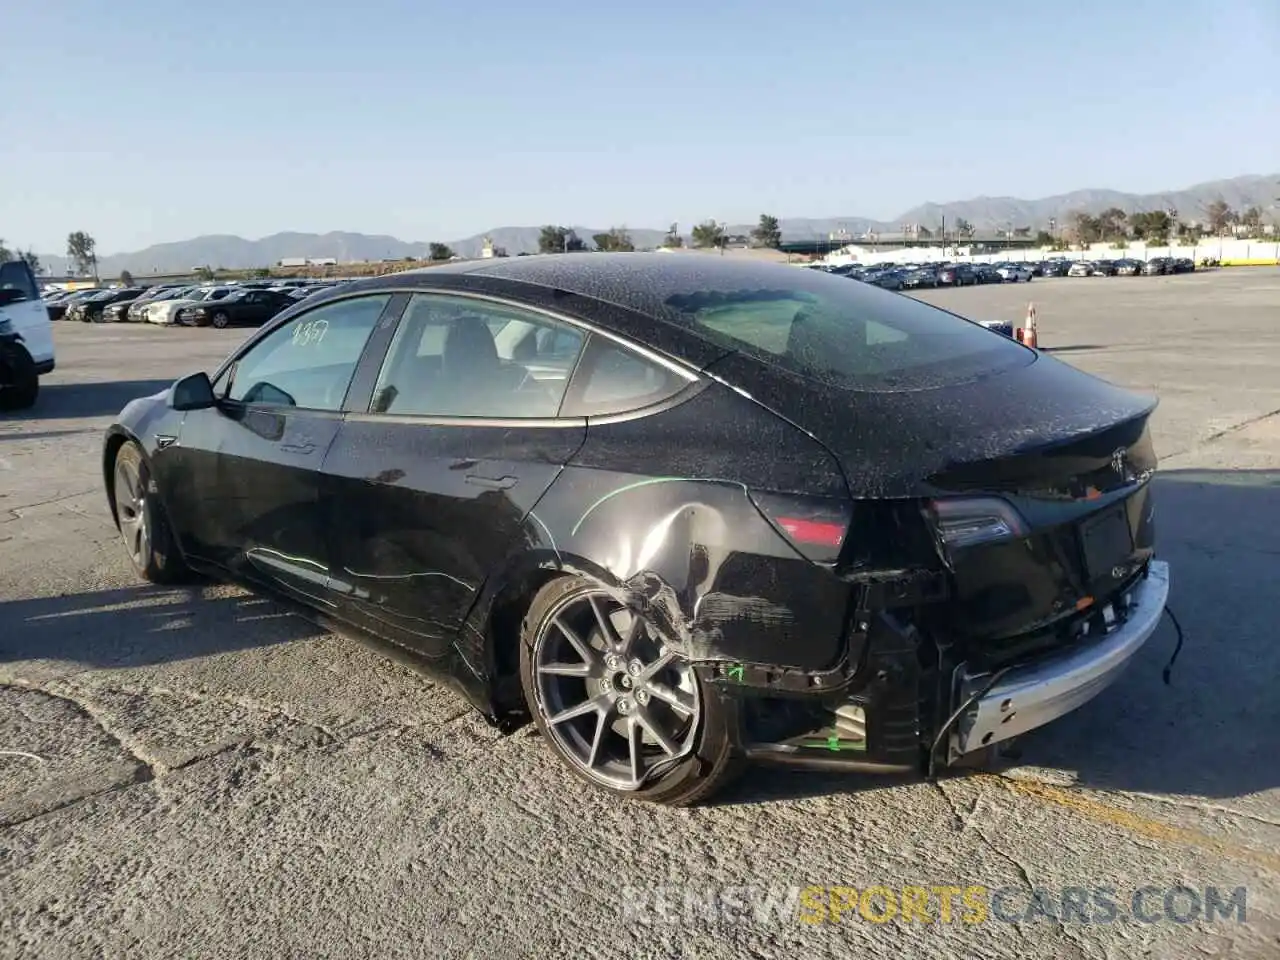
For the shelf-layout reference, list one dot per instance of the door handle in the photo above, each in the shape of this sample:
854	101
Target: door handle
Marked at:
491	483
297	447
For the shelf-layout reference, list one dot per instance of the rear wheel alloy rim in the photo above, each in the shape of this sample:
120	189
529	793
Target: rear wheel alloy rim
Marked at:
619	704
131	509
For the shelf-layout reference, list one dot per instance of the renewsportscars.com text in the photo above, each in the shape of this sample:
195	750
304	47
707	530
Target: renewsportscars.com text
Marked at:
932	904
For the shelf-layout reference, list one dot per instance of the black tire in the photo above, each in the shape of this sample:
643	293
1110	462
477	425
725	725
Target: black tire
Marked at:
19	381
711	761
142	521
220	320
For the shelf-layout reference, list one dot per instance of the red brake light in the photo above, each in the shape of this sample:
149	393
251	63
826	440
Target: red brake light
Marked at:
816	527
813	531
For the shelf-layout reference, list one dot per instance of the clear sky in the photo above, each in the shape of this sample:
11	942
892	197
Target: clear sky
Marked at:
144	121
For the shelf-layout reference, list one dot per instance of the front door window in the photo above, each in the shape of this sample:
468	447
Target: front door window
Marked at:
308	362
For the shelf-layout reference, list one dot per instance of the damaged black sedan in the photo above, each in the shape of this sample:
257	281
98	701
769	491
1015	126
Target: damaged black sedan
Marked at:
679	512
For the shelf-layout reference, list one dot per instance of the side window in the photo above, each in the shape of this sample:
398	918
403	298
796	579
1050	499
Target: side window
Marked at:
308	362
613	379
459	357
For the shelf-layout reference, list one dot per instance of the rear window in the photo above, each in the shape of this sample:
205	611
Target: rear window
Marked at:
848	335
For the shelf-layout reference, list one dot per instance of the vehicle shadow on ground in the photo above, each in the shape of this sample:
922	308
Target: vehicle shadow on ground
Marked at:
144	626
1214	730
59	401
1074	348
47	434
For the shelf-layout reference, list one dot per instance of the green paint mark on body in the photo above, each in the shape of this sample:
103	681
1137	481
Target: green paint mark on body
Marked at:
835	744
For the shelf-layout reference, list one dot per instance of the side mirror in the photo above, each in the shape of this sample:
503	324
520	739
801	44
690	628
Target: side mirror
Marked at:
192	392
10	295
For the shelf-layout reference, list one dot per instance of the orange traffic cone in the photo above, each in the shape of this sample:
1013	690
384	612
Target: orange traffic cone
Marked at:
1027	334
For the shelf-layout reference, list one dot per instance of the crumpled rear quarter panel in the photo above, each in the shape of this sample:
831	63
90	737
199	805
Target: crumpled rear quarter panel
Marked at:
658	508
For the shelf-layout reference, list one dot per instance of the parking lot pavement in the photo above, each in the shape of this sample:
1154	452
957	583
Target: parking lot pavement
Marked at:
196	771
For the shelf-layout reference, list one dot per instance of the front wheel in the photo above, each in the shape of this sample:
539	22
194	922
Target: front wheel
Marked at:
144	528
221	320
623	711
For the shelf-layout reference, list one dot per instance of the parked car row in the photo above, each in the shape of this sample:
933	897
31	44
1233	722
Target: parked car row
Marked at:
912	276
250	303
1156	266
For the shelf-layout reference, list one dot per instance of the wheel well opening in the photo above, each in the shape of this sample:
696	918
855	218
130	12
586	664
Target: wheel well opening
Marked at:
506	619
12	348
114	443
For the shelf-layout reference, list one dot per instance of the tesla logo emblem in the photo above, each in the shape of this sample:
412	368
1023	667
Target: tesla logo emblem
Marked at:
1119	460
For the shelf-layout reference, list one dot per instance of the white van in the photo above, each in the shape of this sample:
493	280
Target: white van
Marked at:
26	336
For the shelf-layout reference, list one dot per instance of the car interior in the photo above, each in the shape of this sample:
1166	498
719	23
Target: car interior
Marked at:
458	366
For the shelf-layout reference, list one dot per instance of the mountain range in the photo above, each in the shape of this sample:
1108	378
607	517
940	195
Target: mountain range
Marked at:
984	213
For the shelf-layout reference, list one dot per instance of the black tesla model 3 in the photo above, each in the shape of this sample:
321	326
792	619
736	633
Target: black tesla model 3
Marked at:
679	511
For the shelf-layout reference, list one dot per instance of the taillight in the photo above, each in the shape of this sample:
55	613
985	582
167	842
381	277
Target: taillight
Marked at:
813	532
815	526
970	521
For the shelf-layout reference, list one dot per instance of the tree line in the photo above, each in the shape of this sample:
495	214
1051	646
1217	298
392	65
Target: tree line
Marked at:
28	255
80	251
82	248
1158	226
706	235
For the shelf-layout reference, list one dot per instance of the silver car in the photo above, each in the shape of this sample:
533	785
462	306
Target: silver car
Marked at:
1014	273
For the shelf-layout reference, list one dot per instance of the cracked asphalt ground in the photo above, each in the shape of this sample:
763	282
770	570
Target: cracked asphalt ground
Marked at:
197	772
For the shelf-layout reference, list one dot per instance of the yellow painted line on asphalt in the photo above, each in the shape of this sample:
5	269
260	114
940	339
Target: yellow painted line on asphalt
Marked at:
1097	811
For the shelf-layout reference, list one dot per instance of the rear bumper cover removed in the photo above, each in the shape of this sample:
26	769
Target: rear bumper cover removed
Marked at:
1035	693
